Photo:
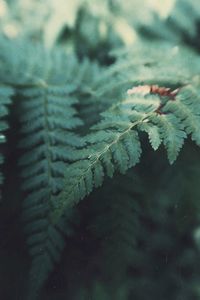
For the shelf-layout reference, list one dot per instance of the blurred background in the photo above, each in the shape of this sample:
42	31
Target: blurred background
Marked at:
96	23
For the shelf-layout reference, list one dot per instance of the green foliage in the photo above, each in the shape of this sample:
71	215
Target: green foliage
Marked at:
47	118
80	118
48	121
114	144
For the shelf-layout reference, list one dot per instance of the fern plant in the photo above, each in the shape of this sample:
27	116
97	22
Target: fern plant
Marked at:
81	123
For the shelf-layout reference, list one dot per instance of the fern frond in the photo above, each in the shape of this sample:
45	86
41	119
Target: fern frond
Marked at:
114	143
48	84
47	119
5	100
